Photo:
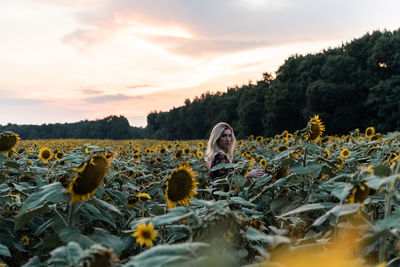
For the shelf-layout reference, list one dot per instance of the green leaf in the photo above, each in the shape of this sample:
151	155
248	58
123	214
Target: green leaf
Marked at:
271	240
173	215
167	255
65	255
392	221
24	217
337	211
311	168
71	234
382	170
49	193
339	189
308	207
106	205
376	182
239	180
106	239
4	251
241	201
34	262
11	164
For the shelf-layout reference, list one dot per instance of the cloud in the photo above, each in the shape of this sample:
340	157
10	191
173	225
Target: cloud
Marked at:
139	86
89	91
233	24
110	98
21	101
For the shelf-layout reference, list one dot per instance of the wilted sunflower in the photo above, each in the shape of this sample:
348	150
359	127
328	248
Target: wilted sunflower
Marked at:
45	154
282	148
359	193
132	201
181	187
315	129
178	154
88	178
8	140
370	132
145	234
345	153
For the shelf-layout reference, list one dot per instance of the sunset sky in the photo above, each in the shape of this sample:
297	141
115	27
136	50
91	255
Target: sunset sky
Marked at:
70	60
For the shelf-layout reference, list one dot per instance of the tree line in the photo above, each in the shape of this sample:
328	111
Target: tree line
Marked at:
111	127
356	85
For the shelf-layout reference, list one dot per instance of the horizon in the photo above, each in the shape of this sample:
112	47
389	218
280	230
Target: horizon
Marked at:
67	61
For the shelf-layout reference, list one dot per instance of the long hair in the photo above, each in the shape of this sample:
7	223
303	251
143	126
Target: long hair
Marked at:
212	146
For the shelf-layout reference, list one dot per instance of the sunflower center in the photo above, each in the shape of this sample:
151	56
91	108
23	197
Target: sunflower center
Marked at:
146	234
46	154
314	130
179	186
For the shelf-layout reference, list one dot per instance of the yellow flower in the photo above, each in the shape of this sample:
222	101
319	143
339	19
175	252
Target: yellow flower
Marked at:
345	153
145	234
259	139
263	162
282	148
370	132
25	240
45	154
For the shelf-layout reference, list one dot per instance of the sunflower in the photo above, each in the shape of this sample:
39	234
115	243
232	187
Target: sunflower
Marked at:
315	129
136	156
25	240
8	140
145	234
259	139
359	193
158	160
282	148
345	153
251	138
163	150
199	154
263	162
181	187
370	132
88	178
59	155
45	154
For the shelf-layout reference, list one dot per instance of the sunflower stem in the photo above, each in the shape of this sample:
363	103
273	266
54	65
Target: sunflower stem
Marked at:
77	209
305	157
60	216
70	212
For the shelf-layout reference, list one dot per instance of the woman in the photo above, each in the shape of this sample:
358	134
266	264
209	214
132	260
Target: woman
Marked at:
220	149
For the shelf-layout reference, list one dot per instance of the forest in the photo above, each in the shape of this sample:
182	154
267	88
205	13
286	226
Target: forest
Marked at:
352	86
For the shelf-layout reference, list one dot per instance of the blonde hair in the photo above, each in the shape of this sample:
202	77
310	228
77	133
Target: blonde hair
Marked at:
213	148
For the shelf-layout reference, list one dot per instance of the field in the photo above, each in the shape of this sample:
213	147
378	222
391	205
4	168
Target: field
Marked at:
324	201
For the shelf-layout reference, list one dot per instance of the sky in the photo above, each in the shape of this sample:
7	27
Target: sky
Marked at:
71	60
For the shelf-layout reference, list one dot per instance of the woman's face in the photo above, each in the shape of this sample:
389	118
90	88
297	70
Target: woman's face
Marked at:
225	140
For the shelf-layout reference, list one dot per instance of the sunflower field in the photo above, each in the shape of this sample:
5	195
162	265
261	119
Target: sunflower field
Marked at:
324	201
